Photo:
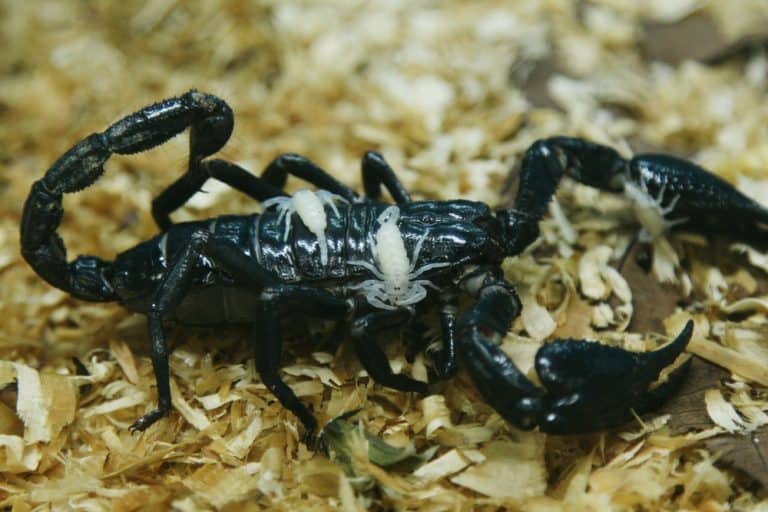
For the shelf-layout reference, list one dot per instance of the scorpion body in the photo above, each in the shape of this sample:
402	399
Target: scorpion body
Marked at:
375	265
215	296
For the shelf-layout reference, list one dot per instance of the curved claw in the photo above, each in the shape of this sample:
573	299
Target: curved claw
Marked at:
592	386
567	365
586	386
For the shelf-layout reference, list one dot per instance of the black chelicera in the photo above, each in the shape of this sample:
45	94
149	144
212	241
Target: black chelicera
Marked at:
379	262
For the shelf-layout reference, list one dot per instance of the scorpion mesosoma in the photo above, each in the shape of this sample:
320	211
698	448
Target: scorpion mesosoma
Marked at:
377	264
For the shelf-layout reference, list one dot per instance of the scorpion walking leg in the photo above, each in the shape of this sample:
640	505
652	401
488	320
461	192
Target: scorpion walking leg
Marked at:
445	363
167	296
180	191
225	253
276	174
87	276
277	298
268	340
377	172
364	330
267	337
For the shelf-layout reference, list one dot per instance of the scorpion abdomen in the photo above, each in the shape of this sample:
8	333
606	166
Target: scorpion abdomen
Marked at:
297	259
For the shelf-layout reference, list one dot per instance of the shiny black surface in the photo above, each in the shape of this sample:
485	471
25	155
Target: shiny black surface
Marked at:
448	231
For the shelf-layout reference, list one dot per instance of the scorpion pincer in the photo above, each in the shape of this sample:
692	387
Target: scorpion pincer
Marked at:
336	254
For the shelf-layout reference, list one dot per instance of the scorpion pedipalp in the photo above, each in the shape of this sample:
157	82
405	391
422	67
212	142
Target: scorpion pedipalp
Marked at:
585	385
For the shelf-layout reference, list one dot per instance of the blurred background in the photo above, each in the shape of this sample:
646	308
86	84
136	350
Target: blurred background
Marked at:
450	92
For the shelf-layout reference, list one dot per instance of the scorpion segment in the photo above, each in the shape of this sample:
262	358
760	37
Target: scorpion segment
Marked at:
586	386
310	207
592	164
451	231
541	169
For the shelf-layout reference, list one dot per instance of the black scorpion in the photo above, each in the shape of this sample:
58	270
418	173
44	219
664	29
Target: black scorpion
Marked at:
255	268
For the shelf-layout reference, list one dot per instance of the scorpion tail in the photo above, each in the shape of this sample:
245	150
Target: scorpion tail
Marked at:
87	277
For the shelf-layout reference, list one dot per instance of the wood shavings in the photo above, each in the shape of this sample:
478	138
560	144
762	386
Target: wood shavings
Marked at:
722	413
536	319
666	263
125	359
747	305
447	464
512	470
46	402
193	415
240	444
436	414
326	376
429	86
716	353
598	281
591	282
219	486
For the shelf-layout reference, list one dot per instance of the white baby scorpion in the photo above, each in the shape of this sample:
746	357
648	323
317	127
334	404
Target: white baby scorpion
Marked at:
396	284
650	211
309	206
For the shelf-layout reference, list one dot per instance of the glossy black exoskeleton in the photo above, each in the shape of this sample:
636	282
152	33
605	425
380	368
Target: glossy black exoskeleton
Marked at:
251	269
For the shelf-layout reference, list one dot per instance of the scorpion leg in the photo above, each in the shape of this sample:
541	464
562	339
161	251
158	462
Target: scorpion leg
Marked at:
274	297
180	191
445	359
586	386
168	295
268	341
276	174
364	330
377	172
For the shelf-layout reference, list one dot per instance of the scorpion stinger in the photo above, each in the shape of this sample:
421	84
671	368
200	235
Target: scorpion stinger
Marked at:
211	121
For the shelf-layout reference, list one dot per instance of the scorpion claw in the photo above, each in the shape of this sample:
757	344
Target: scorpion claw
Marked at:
699	200
667	191
586	386
592	386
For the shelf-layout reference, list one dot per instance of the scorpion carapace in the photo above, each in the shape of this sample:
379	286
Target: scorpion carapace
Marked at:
335	254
